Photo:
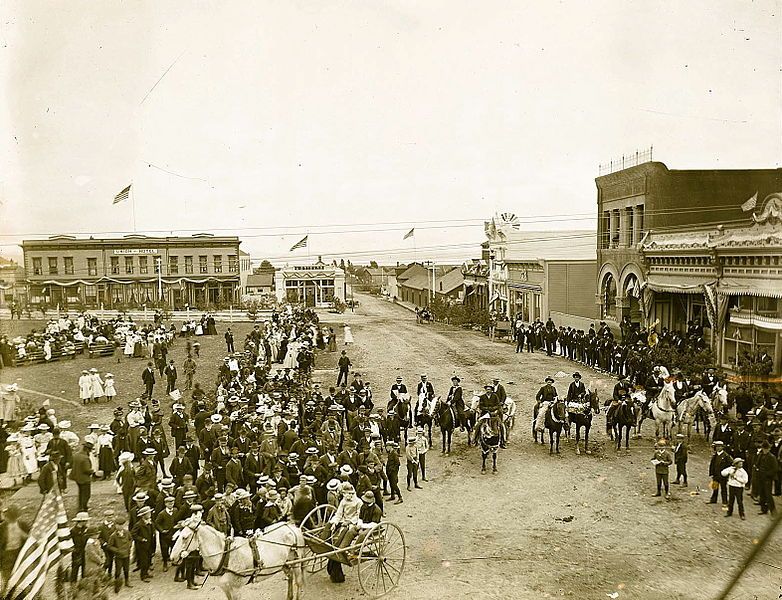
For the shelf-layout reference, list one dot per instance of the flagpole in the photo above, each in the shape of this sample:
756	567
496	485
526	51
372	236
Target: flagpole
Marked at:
415	248
133	205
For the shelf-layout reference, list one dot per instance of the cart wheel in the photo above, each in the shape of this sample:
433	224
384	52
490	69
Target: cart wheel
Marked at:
311	526
381	559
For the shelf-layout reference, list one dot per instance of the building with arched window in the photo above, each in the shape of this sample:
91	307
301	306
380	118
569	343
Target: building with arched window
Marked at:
648	199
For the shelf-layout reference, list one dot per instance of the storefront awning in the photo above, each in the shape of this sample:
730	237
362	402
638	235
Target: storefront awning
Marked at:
525	287
678	284
734	286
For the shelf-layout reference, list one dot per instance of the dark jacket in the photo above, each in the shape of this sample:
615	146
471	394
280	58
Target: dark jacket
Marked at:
81	472
719	462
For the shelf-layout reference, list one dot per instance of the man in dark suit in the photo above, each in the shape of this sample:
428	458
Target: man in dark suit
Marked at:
456	400
547	393
179	425
148	378
219	459
81	473
766	469
720	461
576	390
229	341
171	375
425	385
723	433
165	523
680	455
233	469
344	365
180	466
143	533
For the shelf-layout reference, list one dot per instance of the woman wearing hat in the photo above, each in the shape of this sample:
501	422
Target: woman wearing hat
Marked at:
96	386
27	448
15	472
85	387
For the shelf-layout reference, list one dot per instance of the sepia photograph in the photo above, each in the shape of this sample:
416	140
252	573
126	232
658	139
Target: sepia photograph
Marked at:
416	300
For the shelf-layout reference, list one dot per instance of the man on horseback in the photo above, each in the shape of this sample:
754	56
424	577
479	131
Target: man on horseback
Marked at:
489	404
456	400
576	390
654	385
622	384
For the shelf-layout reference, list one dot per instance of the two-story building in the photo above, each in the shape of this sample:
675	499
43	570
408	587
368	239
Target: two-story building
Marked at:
733	273
199	271
649	197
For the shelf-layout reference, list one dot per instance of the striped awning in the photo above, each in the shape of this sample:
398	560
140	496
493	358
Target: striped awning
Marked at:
735	286
678	284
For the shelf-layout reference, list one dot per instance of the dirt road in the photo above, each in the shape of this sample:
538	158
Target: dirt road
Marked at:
545	526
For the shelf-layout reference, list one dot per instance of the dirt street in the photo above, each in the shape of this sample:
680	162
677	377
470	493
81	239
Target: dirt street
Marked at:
545	526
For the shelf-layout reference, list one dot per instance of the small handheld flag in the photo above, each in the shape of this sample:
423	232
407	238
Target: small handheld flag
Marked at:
750	204
123	195
300	244
409	234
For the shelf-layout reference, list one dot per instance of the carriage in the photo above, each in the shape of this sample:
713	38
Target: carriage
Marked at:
379	553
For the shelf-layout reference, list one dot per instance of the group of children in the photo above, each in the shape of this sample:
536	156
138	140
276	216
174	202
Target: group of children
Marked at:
94	389
732	470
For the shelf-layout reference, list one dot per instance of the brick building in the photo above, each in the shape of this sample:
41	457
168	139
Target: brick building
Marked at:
201	271
651	197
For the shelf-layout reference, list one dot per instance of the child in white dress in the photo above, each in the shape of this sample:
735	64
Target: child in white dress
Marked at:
108	388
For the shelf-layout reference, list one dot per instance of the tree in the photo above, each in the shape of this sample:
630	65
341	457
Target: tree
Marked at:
264	267
342	264
373	264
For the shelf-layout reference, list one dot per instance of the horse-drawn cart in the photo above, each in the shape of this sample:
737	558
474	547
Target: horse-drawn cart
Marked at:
378	552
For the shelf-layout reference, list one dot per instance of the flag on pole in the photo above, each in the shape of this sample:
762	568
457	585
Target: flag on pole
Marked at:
409	234
300	244
750	204
49	540
123	195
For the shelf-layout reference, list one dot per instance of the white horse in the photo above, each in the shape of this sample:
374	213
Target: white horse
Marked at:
688	407
235	561
664	410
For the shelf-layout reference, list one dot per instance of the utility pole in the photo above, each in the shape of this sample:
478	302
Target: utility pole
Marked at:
159	278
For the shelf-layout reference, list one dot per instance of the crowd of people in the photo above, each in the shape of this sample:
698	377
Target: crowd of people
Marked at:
265	444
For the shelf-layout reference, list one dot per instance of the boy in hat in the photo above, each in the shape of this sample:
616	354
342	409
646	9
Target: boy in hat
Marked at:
680	456
143	534
392	471
737	478
105	531
411	453
119	546
662	461
165	523
79	535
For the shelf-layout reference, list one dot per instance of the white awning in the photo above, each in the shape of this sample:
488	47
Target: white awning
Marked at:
736	286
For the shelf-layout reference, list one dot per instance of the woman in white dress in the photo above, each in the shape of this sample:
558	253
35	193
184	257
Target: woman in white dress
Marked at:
290	361
348	335
199	330
96	386
85	387
93	437
47	350
27	447
130	339
15	472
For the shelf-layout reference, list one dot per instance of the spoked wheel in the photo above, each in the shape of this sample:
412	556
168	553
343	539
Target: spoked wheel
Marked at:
381	559
312	526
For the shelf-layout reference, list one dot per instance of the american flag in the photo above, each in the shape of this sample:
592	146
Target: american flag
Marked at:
49	540
409	234
123	195
302	243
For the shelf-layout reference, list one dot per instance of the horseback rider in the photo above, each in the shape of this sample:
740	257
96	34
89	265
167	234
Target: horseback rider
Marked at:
547	393
489	404
576	391
622	384
397	390
654	385
456	400
681	389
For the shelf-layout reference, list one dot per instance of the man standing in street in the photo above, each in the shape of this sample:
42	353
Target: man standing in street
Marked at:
81	473
719	462
179	425
344	365
229	341
766	467
189	367
148	377
171	375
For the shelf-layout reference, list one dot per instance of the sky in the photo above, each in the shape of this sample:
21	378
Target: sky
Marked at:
353	122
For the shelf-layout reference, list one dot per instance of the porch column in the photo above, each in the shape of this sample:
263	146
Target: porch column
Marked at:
637	218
